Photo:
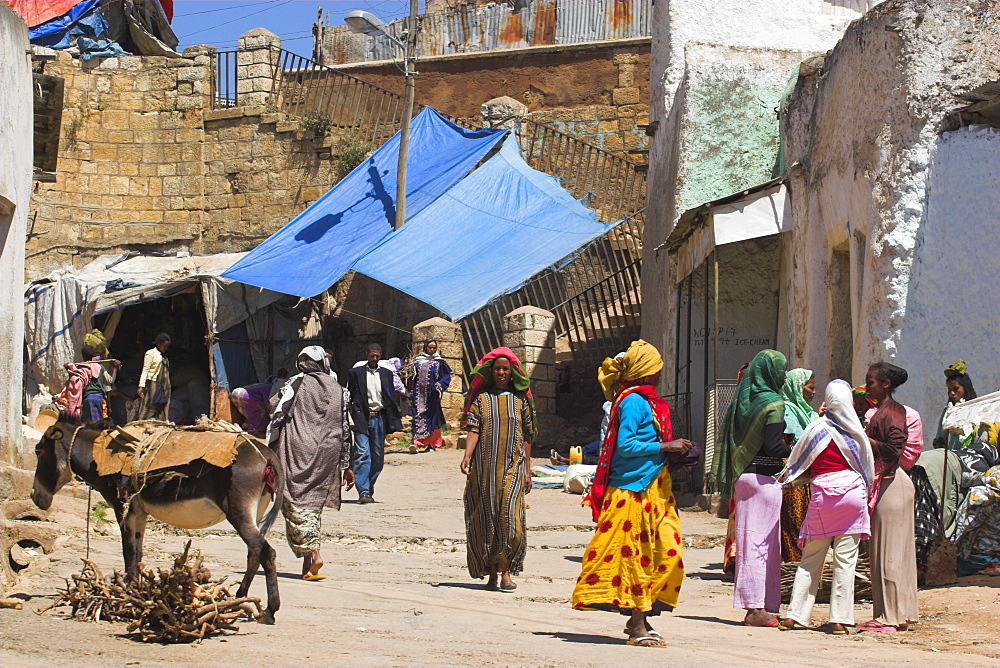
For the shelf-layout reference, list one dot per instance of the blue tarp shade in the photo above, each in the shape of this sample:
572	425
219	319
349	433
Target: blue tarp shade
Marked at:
322	243
485	237
82	26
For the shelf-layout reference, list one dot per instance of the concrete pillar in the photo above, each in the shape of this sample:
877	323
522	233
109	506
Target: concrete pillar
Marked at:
529	332
256	67
449	338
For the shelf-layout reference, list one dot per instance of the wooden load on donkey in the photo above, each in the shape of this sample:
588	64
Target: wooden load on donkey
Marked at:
188	477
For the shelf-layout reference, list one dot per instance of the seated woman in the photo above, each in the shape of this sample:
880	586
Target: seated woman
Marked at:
960	389
834	451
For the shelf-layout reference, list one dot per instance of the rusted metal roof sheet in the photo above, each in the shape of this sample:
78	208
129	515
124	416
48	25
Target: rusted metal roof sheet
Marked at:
494	27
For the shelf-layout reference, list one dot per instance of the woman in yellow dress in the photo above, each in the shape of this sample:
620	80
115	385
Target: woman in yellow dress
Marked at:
633	564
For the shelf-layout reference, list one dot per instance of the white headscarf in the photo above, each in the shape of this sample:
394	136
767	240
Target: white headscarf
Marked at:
841	425
281	403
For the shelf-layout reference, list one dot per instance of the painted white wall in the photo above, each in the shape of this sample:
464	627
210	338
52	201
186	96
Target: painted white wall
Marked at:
917	209
16	150
952	297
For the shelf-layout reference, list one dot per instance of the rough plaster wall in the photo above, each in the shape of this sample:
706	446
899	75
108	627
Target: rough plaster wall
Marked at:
952	297
864	133
730	126
797	25
16	118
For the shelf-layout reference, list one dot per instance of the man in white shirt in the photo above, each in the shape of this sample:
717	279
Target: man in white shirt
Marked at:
375	412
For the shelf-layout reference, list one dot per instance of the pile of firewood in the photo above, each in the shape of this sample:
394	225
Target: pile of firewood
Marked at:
177	605
862	581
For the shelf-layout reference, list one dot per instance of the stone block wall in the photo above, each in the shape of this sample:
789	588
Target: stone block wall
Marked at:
597	92
130	158
145	163
529	332
618	127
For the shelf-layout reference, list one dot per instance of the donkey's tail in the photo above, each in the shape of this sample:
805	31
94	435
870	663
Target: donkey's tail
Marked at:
274	479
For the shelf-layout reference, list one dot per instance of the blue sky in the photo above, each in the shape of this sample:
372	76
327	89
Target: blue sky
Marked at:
221	22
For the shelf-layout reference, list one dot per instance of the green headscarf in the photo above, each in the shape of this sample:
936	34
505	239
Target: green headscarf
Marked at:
957	369
757	404
798	412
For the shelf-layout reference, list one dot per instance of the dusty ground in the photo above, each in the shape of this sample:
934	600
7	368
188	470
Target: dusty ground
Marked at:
398	592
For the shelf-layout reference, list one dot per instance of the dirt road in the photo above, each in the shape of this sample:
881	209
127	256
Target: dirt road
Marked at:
398	592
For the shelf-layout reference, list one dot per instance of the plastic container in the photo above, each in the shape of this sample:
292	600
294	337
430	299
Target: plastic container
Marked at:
38	402
575	455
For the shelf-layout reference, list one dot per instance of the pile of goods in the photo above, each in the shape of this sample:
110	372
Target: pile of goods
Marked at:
177	605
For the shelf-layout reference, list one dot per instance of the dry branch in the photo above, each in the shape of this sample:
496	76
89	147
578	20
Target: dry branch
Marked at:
176	605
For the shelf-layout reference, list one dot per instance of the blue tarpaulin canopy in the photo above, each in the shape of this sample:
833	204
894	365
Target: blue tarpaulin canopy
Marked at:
322	243
485	237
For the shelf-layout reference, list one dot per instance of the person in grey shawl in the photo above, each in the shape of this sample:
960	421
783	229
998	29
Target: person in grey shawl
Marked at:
310	433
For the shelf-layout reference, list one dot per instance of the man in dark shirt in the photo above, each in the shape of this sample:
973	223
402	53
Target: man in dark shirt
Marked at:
375	413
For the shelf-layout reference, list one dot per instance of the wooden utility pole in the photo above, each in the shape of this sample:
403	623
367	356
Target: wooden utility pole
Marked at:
409	55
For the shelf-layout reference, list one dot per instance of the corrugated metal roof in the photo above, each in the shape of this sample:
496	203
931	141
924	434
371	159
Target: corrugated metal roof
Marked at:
496	27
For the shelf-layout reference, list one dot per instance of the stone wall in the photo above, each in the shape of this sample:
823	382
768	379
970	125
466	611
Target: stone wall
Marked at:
596	92
529	332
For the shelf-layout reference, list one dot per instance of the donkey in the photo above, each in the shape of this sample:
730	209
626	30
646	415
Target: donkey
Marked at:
193	496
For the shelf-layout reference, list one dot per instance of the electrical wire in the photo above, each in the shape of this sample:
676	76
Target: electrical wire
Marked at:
225	9
219	25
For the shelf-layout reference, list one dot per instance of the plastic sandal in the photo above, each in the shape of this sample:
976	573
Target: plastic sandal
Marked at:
313	577
638	642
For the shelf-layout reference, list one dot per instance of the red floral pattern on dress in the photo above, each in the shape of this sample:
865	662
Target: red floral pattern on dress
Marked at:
620	504
593	579
671	553
644	536
608	558
648	507
606	526
637	590
626	551
592	555
677	538
662	568
616	581
627	526
645	561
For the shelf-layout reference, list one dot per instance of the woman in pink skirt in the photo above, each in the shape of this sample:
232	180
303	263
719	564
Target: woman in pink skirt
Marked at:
836	454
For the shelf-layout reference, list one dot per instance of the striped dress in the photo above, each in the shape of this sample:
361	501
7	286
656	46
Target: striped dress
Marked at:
494	489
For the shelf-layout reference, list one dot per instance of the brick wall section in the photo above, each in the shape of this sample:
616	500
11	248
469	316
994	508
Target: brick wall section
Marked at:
529	332
614	127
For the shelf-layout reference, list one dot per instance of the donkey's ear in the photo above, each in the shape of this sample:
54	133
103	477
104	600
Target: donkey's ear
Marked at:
55	433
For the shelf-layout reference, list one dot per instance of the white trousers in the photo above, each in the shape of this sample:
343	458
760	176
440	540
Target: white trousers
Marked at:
810	571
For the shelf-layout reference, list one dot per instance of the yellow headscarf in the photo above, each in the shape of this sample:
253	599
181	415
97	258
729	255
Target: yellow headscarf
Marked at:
640	360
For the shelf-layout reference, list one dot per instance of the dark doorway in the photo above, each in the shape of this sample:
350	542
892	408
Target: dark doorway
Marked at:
182	316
